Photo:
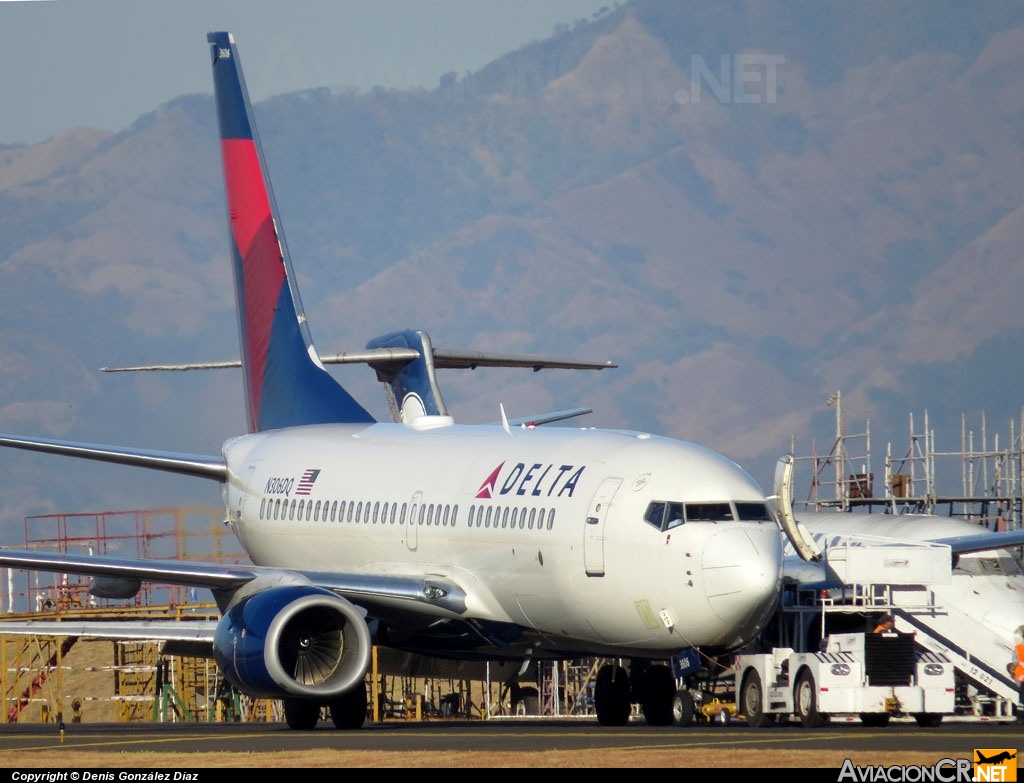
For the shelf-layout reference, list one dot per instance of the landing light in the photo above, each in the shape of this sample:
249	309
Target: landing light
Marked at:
433	593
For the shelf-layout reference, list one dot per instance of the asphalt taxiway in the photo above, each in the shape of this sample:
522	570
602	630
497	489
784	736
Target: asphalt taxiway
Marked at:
950	739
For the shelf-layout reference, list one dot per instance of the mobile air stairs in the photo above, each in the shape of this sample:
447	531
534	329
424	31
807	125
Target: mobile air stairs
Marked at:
968	612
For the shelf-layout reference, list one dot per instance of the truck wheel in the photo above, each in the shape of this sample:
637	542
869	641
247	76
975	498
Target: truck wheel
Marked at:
752	702
683	709
928	720
806	698
875	720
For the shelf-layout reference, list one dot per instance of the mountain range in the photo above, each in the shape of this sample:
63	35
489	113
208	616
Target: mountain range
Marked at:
748	206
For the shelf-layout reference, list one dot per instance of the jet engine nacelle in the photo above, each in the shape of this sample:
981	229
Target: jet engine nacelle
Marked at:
295	641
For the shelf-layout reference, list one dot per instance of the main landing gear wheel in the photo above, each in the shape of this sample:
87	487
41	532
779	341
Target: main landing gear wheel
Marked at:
348	711
659	690
683	709
611	696
301	714
526	701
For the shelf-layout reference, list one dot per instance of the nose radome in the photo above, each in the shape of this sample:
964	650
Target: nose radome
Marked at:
741	567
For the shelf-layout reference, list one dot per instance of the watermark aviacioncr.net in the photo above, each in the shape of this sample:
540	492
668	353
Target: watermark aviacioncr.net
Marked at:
989	765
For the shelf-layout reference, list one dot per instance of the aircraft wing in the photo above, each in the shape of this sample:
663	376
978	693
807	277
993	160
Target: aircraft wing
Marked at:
189	631
378	594
196	465
214	576
959	535
982	542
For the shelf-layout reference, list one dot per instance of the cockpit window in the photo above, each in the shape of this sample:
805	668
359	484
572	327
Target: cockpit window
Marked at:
753	512
708	512
655	514
674	516
665	515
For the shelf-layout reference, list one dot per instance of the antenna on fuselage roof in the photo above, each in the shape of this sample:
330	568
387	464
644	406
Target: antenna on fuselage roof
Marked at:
504	418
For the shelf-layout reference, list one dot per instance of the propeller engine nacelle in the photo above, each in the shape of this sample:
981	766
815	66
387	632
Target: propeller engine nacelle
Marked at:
295	641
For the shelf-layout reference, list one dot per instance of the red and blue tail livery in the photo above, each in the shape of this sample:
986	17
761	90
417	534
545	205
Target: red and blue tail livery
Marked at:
285	382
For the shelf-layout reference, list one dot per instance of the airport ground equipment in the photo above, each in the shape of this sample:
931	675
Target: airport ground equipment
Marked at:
875	676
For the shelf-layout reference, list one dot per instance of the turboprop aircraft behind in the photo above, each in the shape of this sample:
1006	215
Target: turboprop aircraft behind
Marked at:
465	542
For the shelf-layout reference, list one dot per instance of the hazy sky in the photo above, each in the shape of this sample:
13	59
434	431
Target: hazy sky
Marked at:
103	63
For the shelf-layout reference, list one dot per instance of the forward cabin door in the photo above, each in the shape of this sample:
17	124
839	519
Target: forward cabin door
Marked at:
593	530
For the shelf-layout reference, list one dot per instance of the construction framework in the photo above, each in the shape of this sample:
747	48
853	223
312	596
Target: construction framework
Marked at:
991	473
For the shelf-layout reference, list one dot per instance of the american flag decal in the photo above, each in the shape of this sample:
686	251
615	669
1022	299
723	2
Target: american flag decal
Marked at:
307	481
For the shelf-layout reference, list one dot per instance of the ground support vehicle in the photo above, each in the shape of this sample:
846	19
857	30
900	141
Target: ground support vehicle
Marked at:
875	676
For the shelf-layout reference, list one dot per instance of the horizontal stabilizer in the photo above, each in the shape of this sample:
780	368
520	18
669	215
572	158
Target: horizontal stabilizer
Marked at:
443	358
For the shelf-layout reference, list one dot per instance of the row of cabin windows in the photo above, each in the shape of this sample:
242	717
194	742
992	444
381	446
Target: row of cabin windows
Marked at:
391	513
503	516
667	514
352	511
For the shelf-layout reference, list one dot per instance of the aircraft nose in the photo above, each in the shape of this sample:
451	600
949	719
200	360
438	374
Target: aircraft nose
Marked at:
742	567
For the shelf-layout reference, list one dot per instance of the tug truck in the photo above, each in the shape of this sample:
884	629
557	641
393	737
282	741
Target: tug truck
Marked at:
875	676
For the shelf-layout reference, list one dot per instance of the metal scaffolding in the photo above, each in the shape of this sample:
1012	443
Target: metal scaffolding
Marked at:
991	473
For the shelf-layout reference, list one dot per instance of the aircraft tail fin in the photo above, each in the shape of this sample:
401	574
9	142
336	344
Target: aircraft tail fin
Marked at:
285	381
410	385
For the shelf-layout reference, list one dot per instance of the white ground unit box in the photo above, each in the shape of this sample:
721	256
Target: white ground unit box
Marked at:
869	560
874	676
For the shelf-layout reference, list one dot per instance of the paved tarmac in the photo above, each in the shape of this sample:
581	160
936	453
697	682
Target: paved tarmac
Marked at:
952	739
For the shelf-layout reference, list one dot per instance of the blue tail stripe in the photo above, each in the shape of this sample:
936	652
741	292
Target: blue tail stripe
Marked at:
295	389
229	87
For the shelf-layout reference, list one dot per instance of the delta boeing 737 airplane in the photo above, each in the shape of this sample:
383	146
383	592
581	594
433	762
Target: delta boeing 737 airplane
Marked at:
490	542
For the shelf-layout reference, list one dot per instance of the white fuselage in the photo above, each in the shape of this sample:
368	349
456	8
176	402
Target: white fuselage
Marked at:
543	528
